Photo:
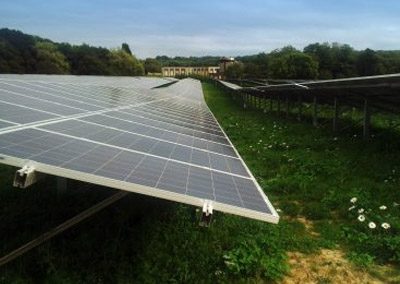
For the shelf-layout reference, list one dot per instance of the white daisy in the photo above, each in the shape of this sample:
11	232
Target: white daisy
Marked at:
353	200
372	225
361	218
383	207
385	226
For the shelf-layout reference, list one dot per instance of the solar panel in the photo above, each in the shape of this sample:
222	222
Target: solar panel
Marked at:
381	91
122	133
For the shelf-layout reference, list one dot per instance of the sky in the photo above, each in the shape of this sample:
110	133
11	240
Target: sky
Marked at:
207	27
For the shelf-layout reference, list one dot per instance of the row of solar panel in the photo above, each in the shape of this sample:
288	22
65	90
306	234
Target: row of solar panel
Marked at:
133	141
59	105
120	82
120	164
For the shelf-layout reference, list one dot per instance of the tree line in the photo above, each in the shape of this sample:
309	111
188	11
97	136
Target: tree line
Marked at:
319	61
315	61
26	54
22	53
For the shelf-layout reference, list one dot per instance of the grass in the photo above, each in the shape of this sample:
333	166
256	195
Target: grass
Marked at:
307	173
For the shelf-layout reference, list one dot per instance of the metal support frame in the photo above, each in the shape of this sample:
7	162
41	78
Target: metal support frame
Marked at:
366	120
61	228
335	114
62	185
243	96
265	104
206	215
26	176
315	111
279	105
287	106
271	104
300	104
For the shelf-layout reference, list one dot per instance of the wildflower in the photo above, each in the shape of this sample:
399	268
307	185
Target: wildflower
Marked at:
385	226
372	225
278	210
352	207
361	218
383	207
260	141
270	146
361	210
353	200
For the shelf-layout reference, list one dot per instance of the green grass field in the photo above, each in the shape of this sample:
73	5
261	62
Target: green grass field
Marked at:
307	172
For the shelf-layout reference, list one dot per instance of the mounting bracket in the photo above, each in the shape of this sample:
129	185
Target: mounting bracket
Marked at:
206	215
26	176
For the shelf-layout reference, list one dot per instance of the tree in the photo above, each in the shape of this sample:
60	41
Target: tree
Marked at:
322	53
125	47
234	71
344	61
124	64
369	63
11	60
293	64
49	60
152	65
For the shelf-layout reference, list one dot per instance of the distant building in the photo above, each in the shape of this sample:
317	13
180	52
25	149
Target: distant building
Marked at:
207	71
224	63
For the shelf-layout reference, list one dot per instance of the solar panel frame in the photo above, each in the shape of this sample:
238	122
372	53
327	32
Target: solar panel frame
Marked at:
100	167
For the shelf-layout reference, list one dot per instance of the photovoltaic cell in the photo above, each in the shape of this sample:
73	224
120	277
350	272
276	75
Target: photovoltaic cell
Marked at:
119	132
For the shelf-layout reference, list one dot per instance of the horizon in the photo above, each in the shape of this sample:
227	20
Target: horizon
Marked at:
225	28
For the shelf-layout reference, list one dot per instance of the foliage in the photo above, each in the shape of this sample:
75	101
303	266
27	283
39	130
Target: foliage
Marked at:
234	71
22	53
310	173
369	63
188	61
19	54
151	65
289	63
374	229
124	64
49	60
125	47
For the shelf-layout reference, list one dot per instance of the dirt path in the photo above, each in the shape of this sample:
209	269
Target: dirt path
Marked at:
326	266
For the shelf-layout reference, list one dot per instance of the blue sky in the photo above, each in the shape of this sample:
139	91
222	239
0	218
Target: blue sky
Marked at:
206	27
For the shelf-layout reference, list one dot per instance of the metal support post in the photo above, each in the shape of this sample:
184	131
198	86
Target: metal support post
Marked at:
335	114
287	106
367	120
279	105
315	112
300	103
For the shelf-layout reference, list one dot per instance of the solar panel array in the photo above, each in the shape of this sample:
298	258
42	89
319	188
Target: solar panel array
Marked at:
382	91
122	133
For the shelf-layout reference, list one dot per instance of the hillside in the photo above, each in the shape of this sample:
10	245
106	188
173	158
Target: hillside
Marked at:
26	54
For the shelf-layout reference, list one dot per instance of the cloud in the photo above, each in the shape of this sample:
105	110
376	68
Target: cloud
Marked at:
207	27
